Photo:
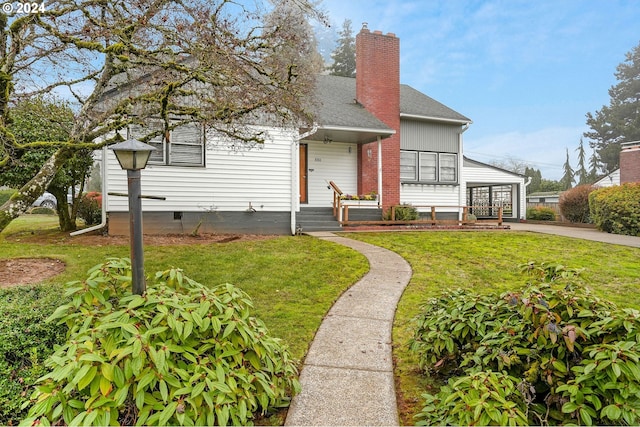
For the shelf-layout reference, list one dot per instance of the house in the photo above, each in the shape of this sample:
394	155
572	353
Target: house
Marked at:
629	170
609	180
373	135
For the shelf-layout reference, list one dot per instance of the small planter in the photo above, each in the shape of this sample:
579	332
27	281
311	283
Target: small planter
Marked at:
368	203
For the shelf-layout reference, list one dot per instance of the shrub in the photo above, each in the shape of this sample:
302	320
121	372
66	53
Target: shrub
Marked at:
617	209
404	212
43	211
541	213
553	352
26	340
90	208
182	354
574	203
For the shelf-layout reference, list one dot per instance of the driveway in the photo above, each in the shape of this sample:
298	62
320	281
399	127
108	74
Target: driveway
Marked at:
578	233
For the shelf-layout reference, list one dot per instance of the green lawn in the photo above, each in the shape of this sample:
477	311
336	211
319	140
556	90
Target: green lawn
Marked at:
488	262
293	281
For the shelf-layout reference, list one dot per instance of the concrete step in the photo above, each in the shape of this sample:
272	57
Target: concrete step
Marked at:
317	219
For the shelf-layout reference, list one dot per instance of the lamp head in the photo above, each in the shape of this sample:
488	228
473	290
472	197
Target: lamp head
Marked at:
132	154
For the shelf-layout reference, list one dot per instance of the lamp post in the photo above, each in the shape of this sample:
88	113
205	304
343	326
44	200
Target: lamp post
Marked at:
133	156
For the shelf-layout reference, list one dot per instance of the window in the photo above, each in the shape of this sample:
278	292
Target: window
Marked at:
428	166
184	148
424	166
447	167
408	166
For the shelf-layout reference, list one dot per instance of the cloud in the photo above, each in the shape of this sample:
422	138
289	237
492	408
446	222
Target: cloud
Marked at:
543	149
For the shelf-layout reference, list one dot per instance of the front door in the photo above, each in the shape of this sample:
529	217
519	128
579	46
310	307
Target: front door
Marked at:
303	173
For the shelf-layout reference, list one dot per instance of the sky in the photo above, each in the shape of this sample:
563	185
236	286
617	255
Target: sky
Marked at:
525	71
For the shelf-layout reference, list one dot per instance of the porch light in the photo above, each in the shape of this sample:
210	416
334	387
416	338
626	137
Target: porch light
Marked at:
133	156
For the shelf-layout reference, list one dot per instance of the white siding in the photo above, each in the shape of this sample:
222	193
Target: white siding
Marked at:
229	182
477	174
609	180
335	162
431	195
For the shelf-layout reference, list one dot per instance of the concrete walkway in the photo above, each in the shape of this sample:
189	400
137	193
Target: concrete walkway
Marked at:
347	376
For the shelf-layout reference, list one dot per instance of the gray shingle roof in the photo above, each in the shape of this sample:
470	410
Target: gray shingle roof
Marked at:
336	99
416	103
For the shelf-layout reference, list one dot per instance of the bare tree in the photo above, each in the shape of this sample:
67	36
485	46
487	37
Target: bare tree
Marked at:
511	163
219	63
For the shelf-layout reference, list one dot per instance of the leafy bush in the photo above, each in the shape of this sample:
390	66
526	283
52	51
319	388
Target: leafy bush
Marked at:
541	213
617	209
550	354
182	354
574	203
404	212
43	211
26	340
90	208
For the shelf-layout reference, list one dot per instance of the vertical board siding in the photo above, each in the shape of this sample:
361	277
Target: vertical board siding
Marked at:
331	162
424	136
230	180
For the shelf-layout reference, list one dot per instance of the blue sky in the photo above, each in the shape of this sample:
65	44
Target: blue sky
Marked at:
525	72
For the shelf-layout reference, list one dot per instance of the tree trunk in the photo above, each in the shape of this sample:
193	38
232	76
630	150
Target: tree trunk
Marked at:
66	220
22	199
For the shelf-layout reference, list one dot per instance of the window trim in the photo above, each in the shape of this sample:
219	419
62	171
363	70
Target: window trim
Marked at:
439	157
167	149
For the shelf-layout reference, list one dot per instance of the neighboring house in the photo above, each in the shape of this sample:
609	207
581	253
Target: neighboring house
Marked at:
544	197
629	170
373	135
609	180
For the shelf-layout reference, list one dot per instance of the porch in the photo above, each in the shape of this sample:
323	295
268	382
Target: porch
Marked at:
357	215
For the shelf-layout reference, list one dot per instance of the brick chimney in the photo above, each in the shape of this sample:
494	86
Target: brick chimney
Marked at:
378	90
630	162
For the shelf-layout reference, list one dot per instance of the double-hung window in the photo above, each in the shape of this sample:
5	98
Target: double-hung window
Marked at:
428	167
183	147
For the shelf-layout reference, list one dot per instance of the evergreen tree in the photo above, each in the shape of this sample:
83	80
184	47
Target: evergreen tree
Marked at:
620	120
567	179
344	56
594	166
581	173
548	185
536	179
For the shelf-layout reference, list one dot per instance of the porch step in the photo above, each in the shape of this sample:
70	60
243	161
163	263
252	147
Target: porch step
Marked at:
317	219
321	218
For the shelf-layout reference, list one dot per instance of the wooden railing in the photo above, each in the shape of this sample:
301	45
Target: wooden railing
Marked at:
341	213
434	220
337	193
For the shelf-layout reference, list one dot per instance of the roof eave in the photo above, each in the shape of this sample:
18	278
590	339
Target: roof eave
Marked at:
436	119
350	134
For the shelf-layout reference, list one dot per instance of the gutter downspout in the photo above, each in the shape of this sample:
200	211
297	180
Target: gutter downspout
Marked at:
524	201
295	173
379	171
462	197
103	173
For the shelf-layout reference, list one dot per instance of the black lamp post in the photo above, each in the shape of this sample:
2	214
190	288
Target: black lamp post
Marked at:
133	156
